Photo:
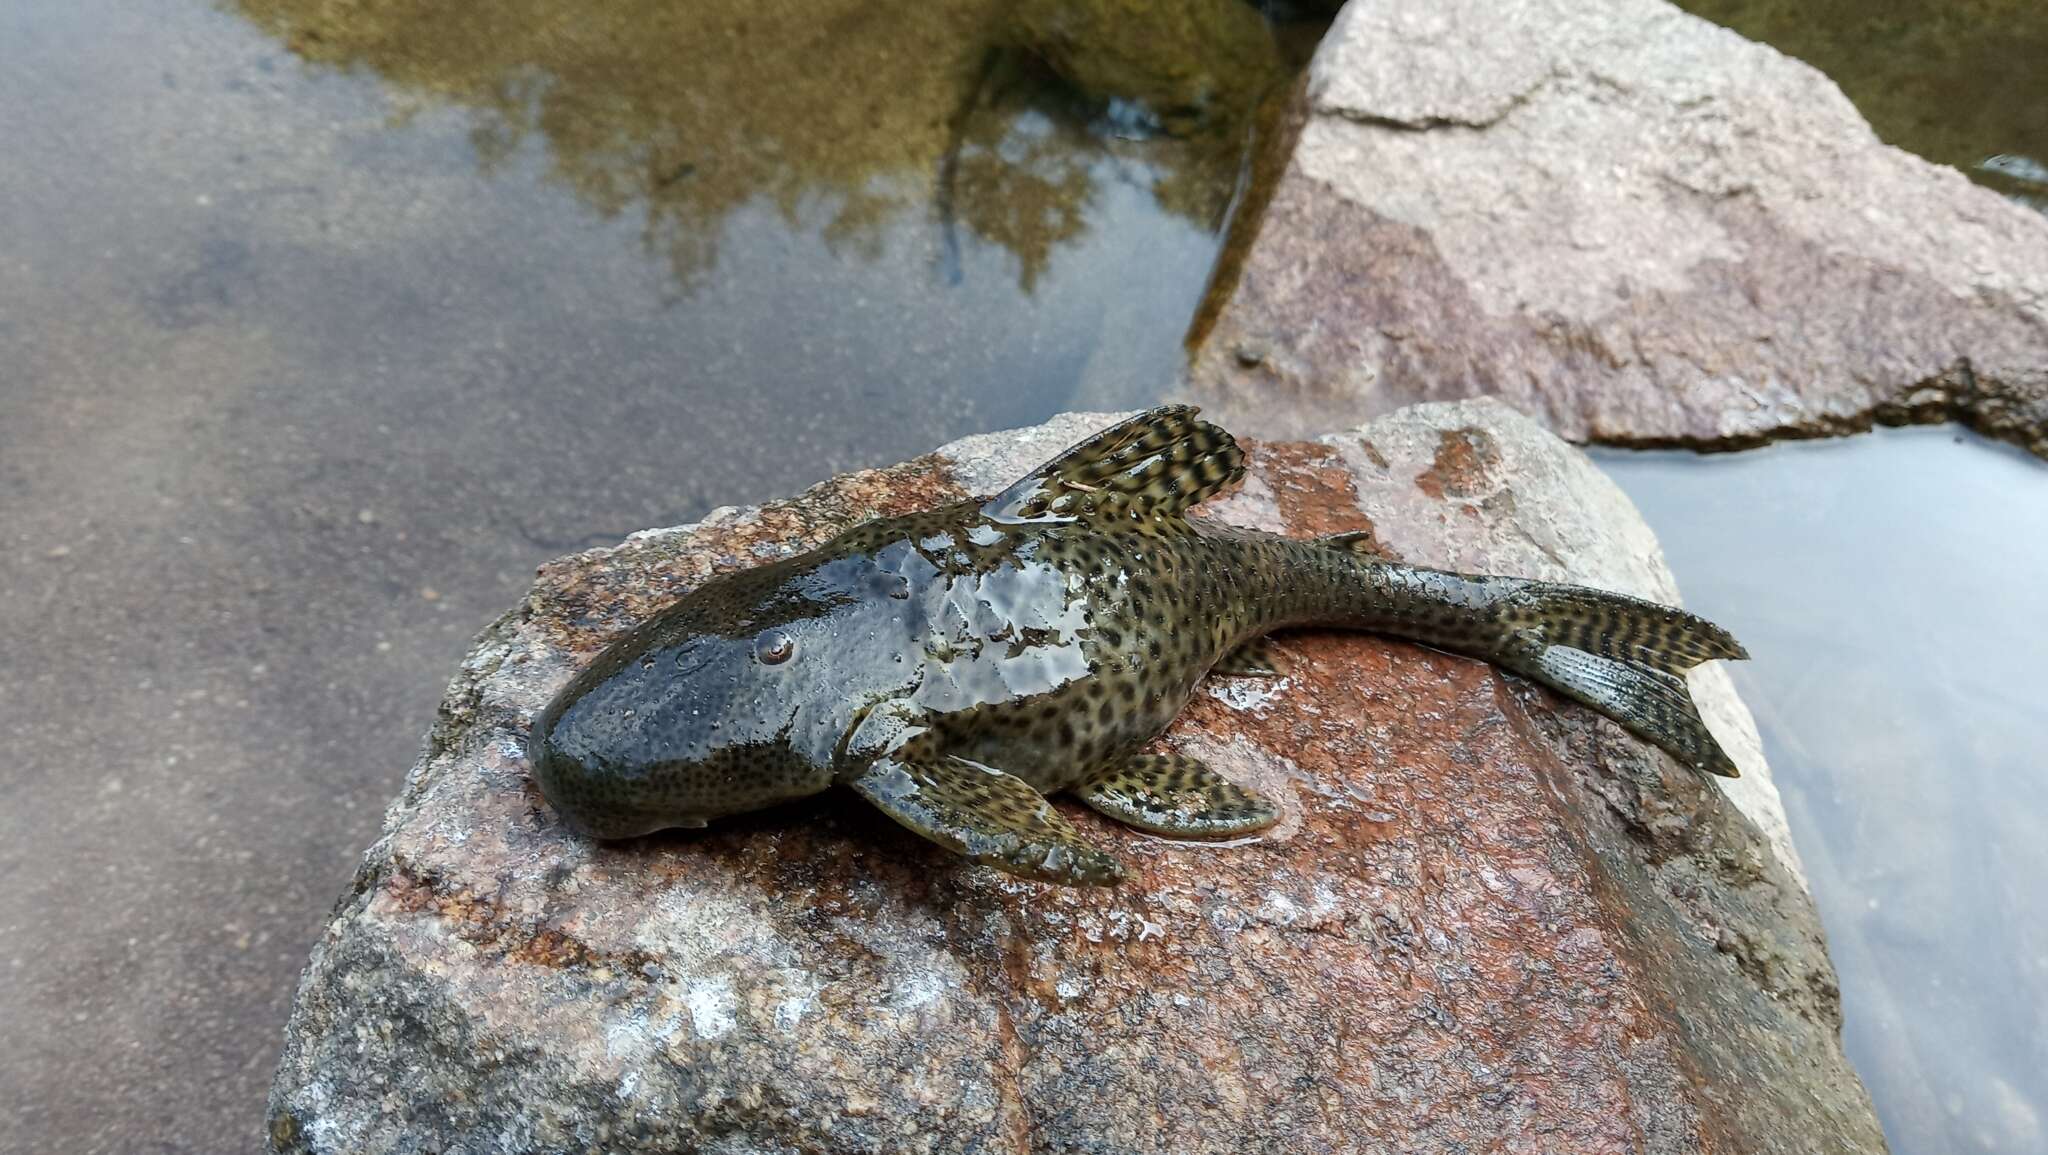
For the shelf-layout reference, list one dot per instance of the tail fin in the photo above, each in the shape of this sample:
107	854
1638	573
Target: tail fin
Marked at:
1622	656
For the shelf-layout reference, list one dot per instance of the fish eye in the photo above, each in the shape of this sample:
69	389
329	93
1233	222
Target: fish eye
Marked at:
774	647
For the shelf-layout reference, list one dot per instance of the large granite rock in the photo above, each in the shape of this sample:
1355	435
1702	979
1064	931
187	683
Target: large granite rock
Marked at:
1488	920
1633	224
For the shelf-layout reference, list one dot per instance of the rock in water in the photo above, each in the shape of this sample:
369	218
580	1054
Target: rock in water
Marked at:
1633	224
1488	920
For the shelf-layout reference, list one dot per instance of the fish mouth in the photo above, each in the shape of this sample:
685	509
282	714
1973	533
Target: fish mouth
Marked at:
614	824
560	781
618	827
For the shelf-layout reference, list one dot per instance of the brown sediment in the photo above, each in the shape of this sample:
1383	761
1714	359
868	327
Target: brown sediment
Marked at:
1313	489
1465	463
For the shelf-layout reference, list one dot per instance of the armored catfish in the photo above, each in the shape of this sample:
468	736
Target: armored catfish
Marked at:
956	667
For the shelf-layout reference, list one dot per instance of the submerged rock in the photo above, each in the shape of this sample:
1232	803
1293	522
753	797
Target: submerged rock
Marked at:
1633	224
1488	920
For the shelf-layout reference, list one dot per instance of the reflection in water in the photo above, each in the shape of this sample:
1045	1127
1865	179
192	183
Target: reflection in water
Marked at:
1890	589
293	398
1957	81
995	112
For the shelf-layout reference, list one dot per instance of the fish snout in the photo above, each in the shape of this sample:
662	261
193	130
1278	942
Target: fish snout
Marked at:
591	800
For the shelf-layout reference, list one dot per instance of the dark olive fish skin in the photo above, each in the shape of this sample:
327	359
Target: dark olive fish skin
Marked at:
956	666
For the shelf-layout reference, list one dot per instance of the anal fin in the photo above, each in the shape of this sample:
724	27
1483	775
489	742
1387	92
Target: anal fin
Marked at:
987	816
1176	794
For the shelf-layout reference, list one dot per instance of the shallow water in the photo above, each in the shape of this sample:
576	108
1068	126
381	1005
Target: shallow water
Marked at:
318	331
1964	82
1893	592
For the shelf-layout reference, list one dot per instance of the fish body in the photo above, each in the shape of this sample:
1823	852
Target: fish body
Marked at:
957	666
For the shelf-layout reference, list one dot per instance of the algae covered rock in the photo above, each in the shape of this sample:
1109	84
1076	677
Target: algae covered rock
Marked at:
1486	920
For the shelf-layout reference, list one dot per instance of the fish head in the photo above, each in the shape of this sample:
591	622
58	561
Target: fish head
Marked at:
734	699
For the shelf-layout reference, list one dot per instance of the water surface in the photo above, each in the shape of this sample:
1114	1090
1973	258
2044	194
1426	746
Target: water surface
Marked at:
1893	592
1962	82
322	323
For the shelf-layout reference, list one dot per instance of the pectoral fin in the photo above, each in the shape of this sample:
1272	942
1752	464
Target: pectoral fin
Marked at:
1258	658
988	816
1175	794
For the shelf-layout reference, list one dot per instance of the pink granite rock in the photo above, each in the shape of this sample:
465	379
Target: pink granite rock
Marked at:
1633	225
1487	921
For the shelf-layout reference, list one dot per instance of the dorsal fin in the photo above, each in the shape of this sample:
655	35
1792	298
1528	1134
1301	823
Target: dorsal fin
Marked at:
1157	464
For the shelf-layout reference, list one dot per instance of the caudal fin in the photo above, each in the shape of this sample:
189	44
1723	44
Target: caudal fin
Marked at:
1623	656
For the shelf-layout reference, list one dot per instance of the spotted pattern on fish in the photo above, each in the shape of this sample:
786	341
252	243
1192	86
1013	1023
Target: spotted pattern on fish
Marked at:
1620	627
956	667
1135	471
1176	794
1015	826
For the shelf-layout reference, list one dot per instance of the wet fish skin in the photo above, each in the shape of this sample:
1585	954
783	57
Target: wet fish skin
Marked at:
957	666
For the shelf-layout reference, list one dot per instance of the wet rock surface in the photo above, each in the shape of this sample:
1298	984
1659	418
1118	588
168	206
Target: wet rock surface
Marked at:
1633	224
1487	921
